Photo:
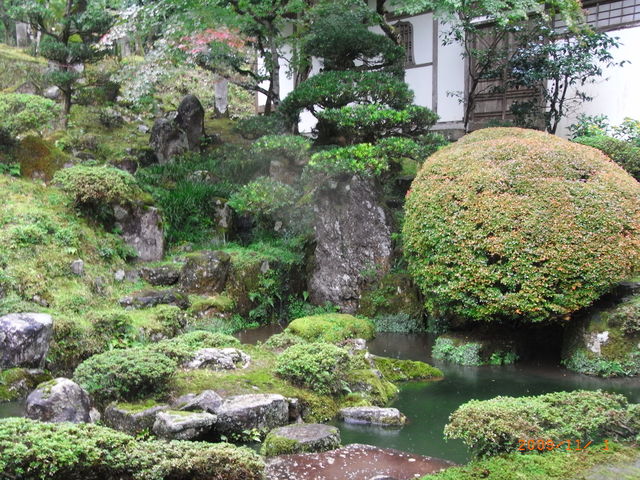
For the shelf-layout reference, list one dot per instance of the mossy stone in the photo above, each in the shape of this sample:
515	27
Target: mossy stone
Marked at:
394	293
396	370
39	159
301	438
331	327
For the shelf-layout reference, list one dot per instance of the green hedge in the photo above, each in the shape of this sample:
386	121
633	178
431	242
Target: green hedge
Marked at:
31	450
509	223
625	154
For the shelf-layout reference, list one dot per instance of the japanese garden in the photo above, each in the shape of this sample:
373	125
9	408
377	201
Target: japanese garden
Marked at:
319	239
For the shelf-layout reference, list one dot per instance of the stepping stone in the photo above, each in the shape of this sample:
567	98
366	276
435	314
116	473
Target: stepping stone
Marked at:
179	425
245	412
373	416
301	438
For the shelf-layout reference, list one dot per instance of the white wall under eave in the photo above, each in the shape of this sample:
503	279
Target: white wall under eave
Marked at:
617	93
451	75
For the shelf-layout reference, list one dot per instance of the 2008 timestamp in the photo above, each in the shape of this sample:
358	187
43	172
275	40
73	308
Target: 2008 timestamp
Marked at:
541	444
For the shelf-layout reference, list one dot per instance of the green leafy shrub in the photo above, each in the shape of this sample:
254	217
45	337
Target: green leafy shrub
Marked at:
317	366
96	186
263	196
260	125
363	159
110	117
292	148
396	370
590	126
368	123
625	154
494	426
335	89
462	354
512	223
398	323
22	113
282	341
331	327
128	374
183	346
583	362
66	451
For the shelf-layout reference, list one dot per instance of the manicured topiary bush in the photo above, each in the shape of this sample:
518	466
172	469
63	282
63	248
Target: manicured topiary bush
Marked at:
331	327
128	374
21	113
66	451
318	366
494	426
625	154
510	223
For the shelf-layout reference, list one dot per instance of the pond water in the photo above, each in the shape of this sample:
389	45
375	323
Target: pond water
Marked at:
11	409
428	405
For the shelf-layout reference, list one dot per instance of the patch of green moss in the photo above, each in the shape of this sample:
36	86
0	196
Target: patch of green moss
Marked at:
15	383
396	370
137	407
331	327
394	294
38	158
379	391
556	465
219	303
276	445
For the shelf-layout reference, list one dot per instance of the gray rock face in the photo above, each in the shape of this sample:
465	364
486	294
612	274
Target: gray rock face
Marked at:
168	140
24	339
151	298
178	425
244	412
190	119
219	359
121	417
373	415
77	267
353	235
205	273
302	438
207	401
59	400
160	276
142	230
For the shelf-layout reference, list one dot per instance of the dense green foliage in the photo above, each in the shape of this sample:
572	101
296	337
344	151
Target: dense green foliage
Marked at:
396	370
512	223
463	354
260	125
263	196
494	426
331	327
66	451
625	154
182	347
320	367
127	374
597	459
21	113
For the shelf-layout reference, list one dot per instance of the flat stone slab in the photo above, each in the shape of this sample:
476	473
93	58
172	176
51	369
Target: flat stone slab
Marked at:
219	359
373	416
151	298
24	339
127	418
262	411
179	425
301	438
353	462
207	401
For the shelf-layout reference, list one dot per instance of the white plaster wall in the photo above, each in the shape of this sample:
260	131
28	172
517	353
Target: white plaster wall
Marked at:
451	75
422	37
421	82
617	93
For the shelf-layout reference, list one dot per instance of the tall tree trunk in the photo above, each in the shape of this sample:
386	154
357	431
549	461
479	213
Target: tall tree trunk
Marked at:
274	69
66	107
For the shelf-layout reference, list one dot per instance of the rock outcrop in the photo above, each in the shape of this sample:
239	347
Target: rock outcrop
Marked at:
164	275
353	235
168	140
207	401
246	412
205	273
373	416
179	425
141	228
218	359
130	419
190	119
59	400
301	438
151	298
24	339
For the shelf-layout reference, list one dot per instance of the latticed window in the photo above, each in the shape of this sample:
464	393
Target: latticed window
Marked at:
405	35
609	15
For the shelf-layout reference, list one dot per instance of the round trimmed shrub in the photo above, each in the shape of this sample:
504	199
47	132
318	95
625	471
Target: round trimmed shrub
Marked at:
511	223
317	366
128	374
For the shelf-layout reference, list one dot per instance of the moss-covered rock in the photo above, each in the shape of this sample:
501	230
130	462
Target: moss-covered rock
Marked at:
395	293
510	224
39	159
331	327
372	386
301	438
605	342
473	349
396	370
16	383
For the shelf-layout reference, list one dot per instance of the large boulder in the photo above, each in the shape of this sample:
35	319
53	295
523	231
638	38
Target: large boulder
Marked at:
164	275
151	298
353	237
141	228
180	425
168	140
190	119
24	339
130	418
605	340
218	359
519	225
373	416
206	401
59	400
301	438
205	273
246	412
